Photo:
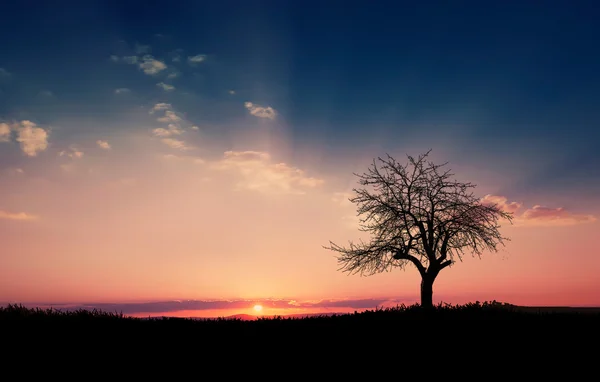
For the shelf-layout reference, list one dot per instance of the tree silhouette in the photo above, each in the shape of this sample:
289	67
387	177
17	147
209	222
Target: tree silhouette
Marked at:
416	214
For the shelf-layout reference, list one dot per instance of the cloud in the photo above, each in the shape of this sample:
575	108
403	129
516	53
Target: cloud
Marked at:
141	49
182	158
165	87
169	117
501	202
172	75
21	216
122	90
200	305
196	59
151	66
538	215
260	111
103	144
132	60
196	128
172	129
114	58
159	107
260	174
33	139
72	153
232	92
4	132
175	144
544	216
4	74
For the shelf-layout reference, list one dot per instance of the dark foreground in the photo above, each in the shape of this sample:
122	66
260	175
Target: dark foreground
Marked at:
543	340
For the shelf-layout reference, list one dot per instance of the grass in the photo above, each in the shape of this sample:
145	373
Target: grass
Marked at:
477	333
471	312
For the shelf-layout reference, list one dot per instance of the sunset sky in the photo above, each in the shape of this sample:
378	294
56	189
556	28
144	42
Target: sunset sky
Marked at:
192	158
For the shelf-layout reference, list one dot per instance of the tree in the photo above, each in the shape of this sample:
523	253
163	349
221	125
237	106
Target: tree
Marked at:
417	214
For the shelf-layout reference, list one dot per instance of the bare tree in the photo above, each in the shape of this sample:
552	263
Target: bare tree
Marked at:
416	214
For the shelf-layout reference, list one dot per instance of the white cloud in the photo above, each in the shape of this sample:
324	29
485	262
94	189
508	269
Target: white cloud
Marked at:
175	144
22	216
232	92
169	117
4	132
103	144
141	49
131	60
151	66
172	75
183	158
260	174
122	90
172	129
73	153
196	128
159	107
165	87
196	59
260	111
33	139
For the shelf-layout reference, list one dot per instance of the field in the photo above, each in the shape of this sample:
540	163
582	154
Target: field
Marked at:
539	342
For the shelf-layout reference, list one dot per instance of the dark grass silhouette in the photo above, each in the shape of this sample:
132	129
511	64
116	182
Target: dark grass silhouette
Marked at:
483	336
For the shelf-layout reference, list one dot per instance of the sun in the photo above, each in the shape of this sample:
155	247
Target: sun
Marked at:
257	308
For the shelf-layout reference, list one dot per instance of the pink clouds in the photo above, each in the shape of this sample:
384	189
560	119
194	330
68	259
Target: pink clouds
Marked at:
501	201
538	215
21	216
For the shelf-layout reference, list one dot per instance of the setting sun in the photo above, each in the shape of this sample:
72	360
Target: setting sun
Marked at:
258	308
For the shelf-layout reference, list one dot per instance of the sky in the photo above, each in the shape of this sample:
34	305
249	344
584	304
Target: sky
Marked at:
193	158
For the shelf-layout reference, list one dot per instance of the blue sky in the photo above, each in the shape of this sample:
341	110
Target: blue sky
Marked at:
296	95
517	76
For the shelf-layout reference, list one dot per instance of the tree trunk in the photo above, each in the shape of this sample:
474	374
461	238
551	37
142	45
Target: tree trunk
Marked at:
427	291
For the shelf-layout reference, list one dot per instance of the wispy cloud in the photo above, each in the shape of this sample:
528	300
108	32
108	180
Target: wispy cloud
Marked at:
538	215
502	203
72	152
260	111
193	60
131	60
141	49
200	305
260	174
165	87
169	117
21	216
45	93
159	107
151	66
103	144
4	73
122	91
175	144
4	132
172	129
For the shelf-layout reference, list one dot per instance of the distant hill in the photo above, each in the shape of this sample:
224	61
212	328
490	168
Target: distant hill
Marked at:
250	317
